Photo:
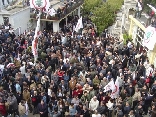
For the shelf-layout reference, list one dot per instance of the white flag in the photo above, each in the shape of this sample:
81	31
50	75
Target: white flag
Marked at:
149	37
153	9
115	91
36	36
34	47
79	25
52	12
109	86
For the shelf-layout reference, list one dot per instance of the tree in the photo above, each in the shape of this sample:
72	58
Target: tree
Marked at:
103	17
89	5
103	12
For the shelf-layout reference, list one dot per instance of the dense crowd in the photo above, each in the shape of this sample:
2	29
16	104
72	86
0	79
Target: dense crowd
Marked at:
69	77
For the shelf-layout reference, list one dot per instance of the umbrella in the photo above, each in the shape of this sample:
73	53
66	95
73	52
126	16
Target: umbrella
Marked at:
153	9
10	65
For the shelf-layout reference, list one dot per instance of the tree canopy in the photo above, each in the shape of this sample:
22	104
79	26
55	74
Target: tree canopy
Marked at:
103	13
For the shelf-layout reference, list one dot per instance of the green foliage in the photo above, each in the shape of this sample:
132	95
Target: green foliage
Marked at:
103	12
103	17
115	4
89	5
127	38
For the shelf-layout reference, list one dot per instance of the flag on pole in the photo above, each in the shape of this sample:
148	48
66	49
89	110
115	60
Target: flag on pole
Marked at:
35	40
79	25
153	9
34	48
115	91
109	86
50	12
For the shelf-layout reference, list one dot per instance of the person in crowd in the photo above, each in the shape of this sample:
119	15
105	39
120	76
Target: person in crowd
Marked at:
13	105
3	109
43	109
22	109
93	104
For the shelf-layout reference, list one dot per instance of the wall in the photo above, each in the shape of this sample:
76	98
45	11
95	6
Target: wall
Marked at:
151	53
20	19
1	19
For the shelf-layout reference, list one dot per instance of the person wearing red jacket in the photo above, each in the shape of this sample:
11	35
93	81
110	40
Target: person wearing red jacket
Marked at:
3	111
60	74
78	92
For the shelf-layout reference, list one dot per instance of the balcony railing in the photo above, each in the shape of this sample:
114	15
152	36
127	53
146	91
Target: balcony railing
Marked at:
60	12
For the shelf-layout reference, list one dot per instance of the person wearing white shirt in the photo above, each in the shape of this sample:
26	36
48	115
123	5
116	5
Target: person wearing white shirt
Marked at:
110	105
138	8
94	103
96	114
63	39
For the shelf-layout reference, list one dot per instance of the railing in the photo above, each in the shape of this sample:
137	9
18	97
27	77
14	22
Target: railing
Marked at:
5	3
60	12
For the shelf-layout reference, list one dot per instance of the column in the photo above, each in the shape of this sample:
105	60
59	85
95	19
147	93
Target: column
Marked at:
131	26
56	26
134	34
122	23
79	9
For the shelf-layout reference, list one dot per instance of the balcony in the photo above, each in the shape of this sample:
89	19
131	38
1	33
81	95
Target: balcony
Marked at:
62	10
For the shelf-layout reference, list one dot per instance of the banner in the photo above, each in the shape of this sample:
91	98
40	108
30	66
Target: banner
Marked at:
79	25
115	91
109	87
149	37
36	36
52	12
34	47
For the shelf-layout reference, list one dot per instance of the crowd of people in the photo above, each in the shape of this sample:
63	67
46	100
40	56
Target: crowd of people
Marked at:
71	73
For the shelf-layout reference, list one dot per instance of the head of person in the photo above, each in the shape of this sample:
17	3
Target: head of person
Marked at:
42	102
94	98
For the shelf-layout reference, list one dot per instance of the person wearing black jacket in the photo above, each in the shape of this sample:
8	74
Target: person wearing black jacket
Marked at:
85	112
52	63
102	108
124	62
43	109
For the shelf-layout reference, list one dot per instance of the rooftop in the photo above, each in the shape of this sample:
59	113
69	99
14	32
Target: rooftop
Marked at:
17	6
